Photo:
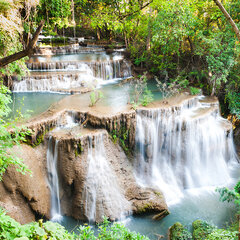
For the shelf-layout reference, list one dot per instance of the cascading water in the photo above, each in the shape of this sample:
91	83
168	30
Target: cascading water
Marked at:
53	75
52	157
183	147
101	193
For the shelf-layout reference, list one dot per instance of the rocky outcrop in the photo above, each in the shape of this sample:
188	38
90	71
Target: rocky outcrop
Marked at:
26	197
73	167
236	133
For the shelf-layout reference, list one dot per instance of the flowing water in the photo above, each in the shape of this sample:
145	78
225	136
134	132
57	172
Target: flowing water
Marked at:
58	73
186	151
183	147
101	193
52	162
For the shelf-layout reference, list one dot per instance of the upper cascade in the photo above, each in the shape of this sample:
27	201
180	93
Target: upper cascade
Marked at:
184	147
56	73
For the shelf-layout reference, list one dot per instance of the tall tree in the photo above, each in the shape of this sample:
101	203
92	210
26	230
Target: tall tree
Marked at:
229	18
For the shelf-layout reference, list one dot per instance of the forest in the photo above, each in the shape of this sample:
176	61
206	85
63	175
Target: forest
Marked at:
186	45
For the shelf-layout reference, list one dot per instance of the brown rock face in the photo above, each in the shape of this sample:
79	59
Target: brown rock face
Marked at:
74	167
237	139
25	196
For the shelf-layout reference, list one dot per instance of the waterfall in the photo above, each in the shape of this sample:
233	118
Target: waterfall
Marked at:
102	195
52	158
55	76
184	147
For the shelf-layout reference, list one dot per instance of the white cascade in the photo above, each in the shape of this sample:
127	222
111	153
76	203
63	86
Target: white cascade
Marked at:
184	147
52	158
71	75
102	195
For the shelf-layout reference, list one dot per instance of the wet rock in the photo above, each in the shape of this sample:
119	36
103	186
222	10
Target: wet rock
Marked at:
25	196
73	167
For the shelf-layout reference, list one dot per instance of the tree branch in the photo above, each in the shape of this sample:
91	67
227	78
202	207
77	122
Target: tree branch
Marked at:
132	13
26	52
230	20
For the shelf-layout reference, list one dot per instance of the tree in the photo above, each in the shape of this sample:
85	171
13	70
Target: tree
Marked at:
26	52
16	20
228	17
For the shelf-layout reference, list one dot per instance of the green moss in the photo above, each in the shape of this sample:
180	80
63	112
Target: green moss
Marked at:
79	149
202	229
179	232
145	208
121	137
40	137
158	194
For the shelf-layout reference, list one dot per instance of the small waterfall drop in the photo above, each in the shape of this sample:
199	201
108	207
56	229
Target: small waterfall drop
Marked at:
184	147
102	194
52	158
58	74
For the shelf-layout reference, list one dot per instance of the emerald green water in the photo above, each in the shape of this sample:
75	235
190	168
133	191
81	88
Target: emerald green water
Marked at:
31	104
201	203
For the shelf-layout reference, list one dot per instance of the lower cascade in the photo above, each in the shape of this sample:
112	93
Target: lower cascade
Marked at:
101	194
52	158
183	147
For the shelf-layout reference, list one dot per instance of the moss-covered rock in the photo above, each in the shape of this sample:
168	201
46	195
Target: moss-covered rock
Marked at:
178	232
201	229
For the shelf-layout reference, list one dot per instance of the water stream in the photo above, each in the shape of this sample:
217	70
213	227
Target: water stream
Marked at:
184	147
101	193
56	73
52	162
186	151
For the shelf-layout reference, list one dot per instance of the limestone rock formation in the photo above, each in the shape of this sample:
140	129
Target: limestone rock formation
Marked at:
73	166
24	196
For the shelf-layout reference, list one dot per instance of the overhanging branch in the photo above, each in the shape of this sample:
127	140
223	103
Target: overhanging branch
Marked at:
26	52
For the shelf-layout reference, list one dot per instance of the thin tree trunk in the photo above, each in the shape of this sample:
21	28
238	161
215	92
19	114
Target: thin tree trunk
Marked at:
26	52
230	20
148	44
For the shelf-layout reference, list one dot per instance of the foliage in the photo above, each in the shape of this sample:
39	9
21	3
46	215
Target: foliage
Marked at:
10	135
230	195
147	97
95	96
179	232
141	94
202	229
10	229
221	234
194	91
169	89
55	13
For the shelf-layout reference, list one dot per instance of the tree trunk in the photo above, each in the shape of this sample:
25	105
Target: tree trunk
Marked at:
148	43
26	52
230	20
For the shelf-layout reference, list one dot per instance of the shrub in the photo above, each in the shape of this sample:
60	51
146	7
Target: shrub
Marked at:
179	232
12	230
202	229
221	234
194	91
